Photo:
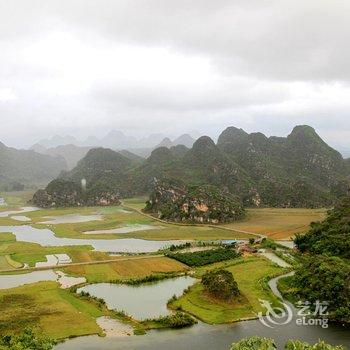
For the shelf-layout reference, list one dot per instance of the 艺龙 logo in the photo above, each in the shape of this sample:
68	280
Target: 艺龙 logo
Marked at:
308	315
275	316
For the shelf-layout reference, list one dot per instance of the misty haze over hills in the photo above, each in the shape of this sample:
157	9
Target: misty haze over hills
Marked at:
47	158
115	139
72	149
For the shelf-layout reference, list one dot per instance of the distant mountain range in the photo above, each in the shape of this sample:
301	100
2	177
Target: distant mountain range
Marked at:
73	150
299	170
70	153
23	168
115	139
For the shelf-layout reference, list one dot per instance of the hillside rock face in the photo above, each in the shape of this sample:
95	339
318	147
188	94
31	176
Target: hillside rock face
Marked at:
198	204
62	193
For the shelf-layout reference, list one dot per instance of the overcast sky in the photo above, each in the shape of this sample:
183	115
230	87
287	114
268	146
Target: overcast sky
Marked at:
84	67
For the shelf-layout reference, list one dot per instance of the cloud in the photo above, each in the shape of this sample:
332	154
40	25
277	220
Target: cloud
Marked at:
7	95
88	66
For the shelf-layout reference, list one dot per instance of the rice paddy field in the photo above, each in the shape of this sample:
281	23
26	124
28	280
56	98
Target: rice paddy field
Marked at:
278	223
61	313
126	269
129	222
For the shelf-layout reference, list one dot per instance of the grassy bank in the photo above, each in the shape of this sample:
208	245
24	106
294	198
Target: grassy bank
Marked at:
56	312
251	275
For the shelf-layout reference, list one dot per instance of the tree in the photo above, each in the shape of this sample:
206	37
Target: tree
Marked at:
221	284
326	279
254	343
299	345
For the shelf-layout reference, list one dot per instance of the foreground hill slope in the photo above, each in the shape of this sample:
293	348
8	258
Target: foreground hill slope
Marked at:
20	168
324	270
331	236
299	170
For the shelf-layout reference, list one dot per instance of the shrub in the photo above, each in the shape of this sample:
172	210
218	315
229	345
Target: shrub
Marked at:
257	343
176	320
220	284
26	341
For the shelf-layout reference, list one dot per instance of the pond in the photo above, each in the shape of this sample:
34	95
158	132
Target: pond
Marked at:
71	219
12	281
4	214
210	337
46	237
142	301
219	337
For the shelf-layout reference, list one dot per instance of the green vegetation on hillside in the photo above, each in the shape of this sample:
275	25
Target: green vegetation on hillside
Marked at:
64	193
331	236
300	170
324	271
202	204
322	278
22	168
